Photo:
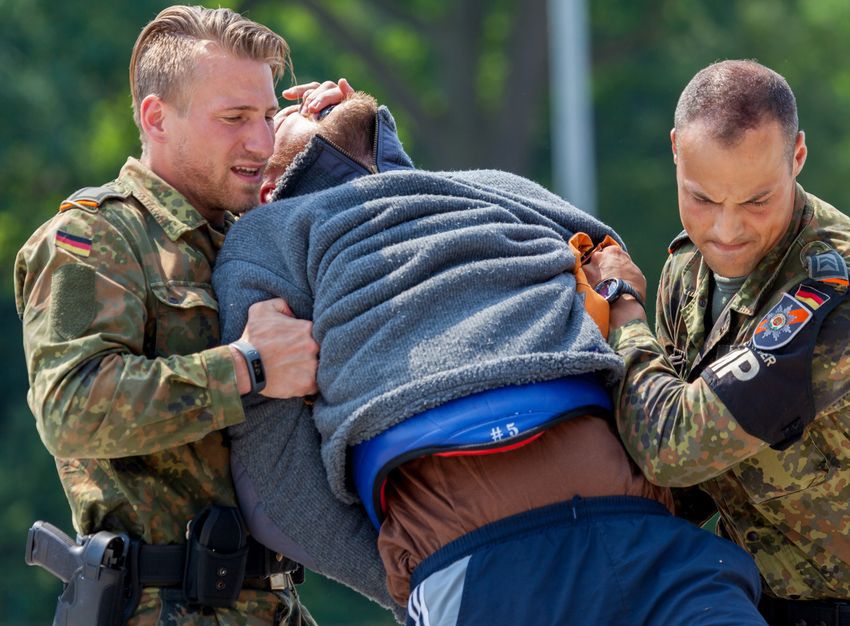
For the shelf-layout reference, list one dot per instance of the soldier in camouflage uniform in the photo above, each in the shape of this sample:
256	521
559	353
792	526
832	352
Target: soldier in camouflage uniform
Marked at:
128	383
744	388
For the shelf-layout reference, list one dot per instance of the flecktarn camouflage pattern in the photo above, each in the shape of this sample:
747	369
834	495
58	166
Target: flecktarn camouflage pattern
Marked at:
788	507
128	383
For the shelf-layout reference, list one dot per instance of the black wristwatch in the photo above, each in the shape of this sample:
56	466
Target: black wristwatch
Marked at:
613	288
255	365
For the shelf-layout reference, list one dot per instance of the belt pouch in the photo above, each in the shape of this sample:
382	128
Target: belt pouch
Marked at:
216	555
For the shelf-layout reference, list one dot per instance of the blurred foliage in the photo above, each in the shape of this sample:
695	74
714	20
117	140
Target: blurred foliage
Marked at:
467	82
645	51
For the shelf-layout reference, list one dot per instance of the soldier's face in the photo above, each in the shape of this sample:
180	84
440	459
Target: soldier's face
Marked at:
736	201
219	146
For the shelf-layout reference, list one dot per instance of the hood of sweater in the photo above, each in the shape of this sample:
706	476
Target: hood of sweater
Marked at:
322	164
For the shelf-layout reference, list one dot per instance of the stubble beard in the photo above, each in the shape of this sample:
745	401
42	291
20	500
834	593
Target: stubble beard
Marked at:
212	197
286	152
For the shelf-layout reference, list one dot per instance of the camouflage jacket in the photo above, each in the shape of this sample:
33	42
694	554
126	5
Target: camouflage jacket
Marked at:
128	383
788	508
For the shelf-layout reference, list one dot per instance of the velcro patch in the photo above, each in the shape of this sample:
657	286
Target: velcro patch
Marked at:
75	244
72	301
781	324
828	267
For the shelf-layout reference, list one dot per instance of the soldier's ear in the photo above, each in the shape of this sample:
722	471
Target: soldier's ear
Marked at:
800	153
673	143
152	116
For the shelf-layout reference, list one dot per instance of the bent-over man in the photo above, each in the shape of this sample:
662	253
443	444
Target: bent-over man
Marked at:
463	397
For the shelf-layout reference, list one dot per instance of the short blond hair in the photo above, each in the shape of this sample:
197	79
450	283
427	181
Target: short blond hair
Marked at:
167	49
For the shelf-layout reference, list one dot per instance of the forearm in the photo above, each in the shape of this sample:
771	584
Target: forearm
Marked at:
679	433
119	404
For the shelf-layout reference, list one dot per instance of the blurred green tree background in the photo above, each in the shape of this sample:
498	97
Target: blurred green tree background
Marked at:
468	83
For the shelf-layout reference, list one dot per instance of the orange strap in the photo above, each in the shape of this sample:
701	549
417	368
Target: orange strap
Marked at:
69	204
596	305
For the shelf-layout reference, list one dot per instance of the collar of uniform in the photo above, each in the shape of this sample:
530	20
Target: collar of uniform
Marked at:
217	234
760	281
693	308
167	205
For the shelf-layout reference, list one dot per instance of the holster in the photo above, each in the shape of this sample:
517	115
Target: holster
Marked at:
95	593
104	573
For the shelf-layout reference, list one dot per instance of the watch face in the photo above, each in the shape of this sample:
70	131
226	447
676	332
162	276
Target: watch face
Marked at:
608	288
259	372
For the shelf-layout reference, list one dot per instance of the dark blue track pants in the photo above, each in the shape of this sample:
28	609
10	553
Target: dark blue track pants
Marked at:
621	561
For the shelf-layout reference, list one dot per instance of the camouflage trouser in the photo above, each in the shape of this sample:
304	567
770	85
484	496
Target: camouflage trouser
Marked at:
165	607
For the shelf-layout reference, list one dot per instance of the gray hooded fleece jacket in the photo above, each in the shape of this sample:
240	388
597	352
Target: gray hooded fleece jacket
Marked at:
422	287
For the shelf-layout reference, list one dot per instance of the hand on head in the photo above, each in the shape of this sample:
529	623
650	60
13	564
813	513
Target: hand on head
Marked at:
316	96
350	128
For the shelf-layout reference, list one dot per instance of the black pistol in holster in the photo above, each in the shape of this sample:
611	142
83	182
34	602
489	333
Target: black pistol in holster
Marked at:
93	571
104	573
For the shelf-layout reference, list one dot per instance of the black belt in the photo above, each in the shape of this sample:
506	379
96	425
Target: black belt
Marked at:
781	612
164	565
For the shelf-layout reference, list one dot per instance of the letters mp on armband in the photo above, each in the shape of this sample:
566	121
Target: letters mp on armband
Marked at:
768	394
767	383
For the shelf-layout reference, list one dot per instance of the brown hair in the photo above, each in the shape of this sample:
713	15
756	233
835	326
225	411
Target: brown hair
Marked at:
731	97
351	126
166	50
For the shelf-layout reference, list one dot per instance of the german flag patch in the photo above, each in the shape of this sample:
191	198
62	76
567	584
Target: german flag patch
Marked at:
81	246
811	296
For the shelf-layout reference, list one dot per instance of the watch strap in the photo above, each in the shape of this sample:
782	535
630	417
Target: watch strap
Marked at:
626	287
256	372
